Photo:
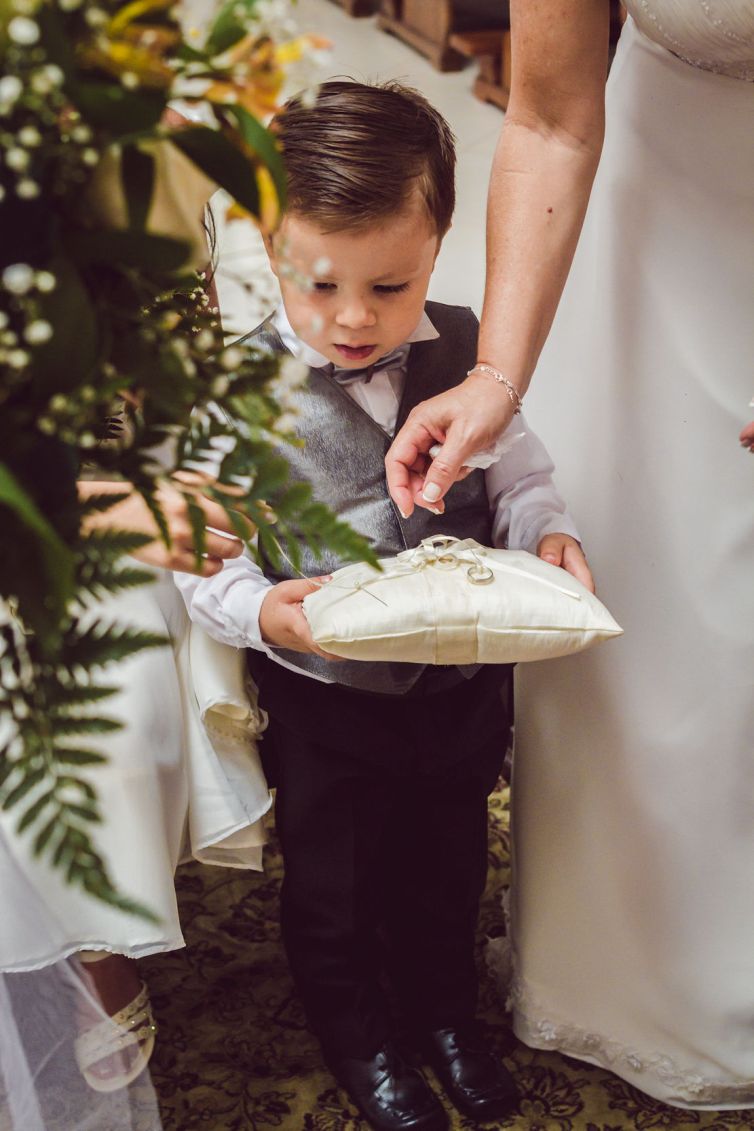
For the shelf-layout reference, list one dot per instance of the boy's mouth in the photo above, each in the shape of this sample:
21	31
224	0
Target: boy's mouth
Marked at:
354	353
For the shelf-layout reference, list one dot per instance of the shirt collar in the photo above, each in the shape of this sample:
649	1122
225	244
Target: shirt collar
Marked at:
424	332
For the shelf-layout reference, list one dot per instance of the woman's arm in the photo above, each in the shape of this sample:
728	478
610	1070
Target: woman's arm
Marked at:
541	178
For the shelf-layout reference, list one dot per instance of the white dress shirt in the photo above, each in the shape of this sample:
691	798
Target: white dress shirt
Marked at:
524	504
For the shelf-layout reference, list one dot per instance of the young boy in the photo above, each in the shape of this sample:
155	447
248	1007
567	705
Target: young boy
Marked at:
383	769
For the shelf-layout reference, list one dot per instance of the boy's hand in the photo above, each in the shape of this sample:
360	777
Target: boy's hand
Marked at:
282	621
564	551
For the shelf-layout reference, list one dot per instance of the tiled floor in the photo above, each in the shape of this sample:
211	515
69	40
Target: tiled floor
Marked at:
362	52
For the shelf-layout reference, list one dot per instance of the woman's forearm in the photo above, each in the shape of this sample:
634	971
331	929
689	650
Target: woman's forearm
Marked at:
542	175
538	196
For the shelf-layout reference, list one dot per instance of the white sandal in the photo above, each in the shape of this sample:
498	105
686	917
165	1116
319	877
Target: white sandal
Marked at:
132	1025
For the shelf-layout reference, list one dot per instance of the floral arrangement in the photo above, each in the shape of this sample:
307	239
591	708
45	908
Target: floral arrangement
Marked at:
102	188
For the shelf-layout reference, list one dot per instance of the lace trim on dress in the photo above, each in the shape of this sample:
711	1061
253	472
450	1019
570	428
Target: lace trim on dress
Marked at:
728	28
542	1031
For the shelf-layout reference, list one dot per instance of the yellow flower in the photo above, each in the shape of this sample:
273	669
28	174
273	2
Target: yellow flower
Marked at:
270	211
295	49
127	46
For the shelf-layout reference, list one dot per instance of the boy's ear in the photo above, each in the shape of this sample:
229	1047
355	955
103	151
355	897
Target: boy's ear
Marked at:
437	249
269	247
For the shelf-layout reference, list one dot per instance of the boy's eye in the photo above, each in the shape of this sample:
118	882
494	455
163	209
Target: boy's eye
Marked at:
324	287
390	289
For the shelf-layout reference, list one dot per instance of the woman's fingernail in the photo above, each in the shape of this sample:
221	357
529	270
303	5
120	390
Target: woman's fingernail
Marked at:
403	514
434	510
432	492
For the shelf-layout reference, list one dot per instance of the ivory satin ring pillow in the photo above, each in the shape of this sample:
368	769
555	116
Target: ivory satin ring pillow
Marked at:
456	602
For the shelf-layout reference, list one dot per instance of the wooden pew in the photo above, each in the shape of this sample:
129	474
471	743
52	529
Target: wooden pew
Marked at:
492	49
429	25
358	7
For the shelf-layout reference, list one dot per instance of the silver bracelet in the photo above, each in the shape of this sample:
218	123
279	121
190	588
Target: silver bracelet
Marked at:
515	397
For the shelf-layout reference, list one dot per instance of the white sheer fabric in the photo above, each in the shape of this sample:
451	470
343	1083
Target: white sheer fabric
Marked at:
633	791
41	1014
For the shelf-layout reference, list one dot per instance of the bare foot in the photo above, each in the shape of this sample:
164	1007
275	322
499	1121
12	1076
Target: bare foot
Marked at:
115	981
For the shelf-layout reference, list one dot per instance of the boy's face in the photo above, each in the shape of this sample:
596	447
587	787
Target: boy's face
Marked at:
363	291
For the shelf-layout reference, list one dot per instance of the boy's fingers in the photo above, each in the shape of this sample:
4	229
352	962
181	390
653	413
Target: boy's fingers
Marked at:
575	562
296	590
304	632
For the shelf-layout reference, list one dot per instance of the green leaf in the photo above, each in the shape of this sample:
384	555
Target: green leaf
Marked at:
62	852
190	54
31	779
156	511
137	171
98	646
110	106
111	544
84	812
56	557
270	546
68	359
229	25
72	756
129	248
34	811
83	787
197	519
100	503
86	724
42	838
263	142
55	38
6	769
108	894
68	698
296	497
211	152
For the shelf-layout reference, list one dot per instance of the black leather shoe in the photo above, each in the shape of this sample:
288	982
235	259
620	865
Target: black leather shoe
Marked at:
476	1081
390	1094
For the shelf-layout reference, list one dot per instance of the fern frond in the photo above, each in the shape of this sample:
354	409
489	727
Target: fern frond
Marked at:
98	645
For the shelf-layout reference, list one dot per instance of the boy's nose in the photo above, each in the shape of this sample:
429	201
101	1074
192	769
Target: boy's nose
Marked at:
355	315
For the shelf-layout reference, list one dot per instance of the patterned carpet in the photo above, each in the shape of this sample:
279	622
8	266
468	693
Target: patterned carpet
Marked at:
233	1052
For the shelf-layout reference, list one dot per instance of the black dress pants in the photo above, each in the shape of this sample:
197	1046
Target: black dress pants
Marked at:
385	849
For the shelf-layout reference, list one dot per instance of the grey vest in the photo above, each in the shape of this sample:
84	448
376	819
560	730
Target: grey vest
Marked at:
343	459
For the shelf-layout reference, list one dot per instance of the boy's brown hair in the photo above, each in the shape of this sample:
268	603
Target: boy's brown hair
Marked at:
356	154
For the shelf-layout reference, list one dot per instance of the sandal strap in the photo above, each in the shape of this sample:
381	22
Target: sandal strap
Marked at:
132	1025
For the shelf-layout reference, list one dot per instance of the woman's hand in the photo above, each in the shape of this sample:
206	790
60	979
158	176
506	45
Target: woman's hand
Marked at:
281	617
465	420
747	437
133	514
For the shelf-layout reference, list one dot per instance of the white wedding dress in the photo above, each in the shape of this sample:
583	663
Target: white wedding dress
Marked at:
633	793
183	780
